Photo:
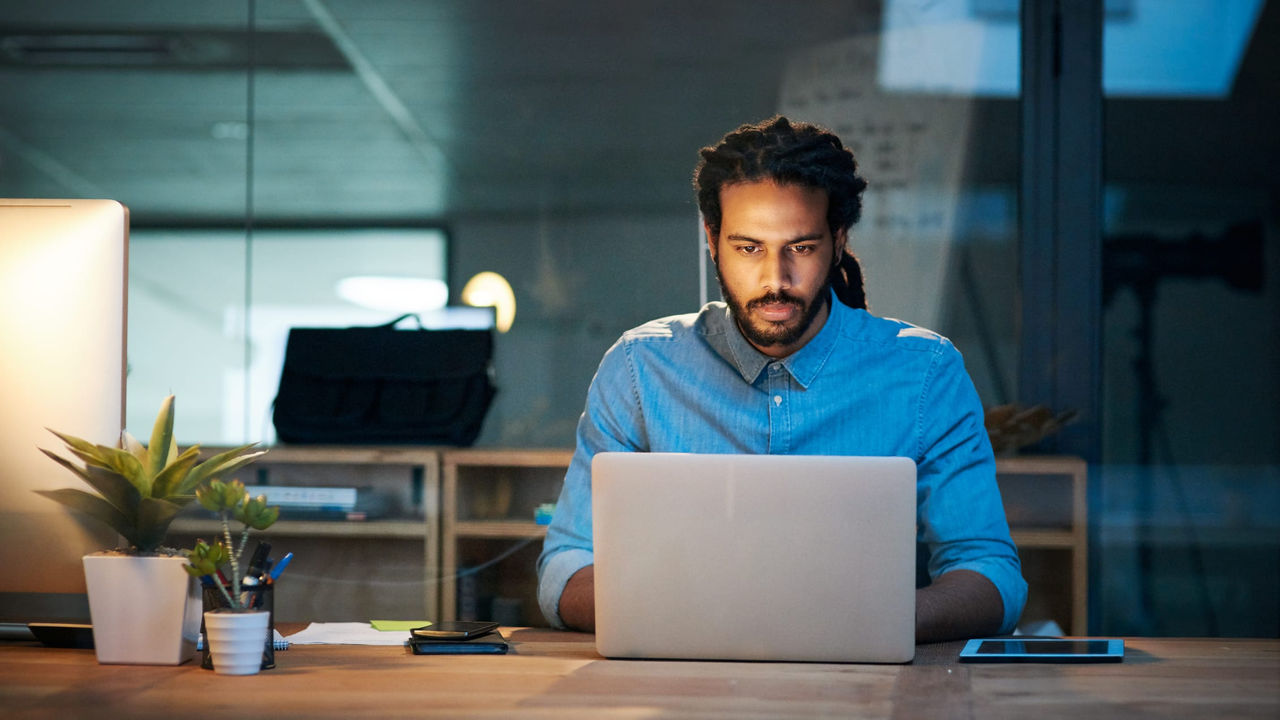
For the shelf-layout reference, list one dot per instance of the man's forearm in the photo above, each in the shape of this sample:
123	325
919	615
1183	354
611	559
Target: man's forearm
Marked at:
578	601
959	604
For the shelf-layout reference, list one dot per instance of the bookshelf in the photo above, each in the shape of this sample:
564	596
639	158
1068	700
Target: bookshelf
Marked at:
462	541
349	569
1045	500
489	540
489	496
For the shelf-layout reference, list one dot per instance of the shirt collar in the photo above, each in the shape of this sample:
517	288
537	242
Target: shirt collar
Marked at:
726	339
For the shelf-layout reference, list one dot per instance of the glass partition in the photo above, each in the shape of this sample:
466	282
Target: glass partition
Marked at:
552	143
190	334
1188	538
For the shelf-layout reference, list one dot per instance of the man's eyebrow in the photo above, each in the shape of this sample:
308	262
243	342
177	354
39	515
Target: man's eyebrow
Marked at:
803	238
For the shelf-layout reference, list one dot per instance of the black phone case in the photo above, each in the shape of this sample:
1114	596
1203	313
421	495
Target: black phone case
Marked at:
455	630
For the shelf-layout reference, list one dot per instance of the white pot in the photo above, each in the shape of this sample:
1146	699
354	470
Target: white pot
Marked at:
236	640
145	610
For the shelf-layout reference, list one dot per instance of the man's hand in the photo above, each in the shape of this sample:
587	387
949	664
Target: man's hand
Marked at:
959	604
578	601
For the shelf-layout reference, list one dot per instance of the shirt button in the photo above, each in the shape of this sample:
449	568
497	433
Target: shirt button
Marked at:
777	399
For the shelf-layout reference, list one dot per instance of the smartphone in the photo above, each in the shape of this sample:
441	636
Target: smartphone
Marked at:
454	630
1045	650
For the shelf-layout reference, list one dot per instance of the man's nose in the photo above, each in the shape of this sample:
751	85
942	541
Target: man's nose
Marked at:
776	272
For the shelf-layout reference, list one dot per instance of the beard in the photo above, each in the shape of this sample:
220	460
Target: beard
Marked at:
766	333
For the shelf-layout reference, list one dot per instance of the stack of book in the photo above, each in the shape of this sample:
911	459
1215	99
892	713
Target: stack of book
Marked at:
317	503
309	503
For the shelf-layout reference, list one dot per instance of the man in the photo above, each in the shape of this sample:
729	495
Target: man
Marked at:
792	363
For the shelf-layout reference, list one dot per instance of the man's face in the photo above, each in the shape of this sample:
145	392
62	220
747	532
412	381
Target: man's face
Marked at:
773	257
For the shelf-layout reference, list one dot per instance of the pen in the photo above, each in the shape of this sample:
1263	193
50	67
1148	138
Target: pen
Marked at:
279	568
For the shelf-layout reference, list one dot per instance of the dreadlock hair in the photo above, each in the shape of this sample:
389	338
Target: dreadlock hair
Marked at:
790	153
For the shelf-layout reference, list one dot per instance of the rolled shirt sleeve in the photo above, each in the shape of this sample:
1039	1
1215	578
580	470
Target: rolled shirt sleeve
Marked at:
962	518
612	422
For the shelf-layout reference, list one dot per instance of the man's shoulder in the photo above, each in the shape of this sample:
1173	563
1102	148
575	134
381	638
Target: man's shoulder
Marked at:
898	333
672	327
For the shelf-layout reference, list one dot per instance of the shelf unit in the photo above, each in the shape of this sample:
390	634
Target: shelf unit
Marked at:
332	576
1045	500
1044	497
489	540
467	529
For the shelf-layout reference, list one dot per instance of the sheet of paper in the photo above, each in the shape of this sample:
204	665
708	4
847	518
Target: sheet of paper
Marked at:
346	633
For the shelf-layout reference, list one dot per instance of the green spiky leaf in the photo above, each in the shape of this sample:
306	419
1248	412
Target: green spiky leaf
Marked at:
116	490
113	487
81	472
161	438
93	506
124	463
134	447
91	459
170	479
75	443
173	450
223	463
154	518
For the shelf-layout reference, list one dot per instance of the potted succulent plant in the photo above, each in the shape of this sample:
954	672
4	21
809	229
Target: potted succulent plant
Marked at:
144	608
237	621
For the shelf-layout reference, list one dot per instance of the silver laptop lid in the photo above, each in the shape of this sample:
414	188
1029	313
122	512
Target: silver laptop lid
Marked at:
754	557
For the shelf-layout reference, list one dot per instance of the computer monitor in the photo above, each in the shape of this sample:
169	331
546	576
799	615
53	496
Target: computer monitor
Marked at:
63	283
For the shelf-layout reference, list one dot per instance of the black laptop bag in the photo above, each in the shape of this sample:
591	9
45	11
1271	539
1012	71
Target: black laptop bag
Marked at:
373	385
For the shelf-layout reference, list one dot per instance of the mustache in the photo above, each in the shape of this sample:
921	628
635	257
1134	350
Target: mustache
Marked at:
772	297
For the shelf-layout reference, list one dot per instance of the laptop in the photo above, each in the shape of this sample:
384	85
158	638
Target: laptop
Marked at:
754	557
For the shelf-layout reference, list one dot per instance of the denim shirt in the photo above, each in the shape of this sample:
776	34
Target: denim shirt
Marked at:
862	386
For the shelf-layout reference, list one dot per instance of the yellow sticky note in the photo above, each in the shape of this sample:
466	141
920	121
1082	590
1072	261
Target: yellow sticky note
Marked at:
397	625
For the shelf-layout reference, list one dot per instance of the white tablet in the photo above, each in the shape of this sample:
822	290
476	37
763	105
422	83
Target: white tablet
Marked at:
1044	650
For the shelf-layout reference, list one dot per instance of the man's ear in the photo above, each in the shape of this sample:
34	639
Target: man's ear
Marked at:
841	241
711	241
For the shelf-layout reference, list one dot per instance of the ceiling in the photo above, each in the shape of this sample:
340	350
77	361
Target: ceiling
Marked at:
385	110
424	111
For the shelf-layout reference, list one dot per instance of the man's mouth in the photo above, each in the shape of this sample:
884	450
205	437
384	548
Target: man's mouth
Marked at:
776	311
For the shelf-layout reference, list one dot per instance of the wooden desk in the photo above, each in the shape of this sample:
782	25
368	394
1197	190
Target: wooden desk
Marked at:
559	675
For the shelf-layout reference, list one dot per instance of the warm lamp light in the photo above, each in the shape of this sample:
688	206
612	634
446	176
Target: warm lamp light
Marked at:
489	289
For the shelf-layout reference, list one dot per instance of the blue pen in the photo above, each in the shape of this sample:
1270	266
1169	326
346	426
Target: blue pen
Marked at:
279	568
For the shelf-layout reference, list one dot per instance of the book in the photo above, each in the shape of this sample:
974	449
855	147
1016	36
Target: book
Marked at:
338	499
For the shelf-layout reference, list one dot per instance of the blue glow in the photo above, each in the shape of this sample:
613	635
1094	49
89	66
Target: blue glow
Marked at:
1176	48
1151	48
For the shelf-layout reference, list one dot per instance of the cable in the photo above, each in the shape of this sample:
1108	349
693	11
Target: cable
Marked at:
464	572
500	557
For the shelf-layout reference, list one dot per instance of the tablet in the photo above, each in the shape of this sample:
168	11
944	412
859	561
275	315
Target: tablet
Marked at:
1044	650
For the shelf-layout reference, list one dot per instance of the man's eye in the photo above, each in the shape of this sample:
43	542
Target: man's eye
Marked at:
748	249
802	249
